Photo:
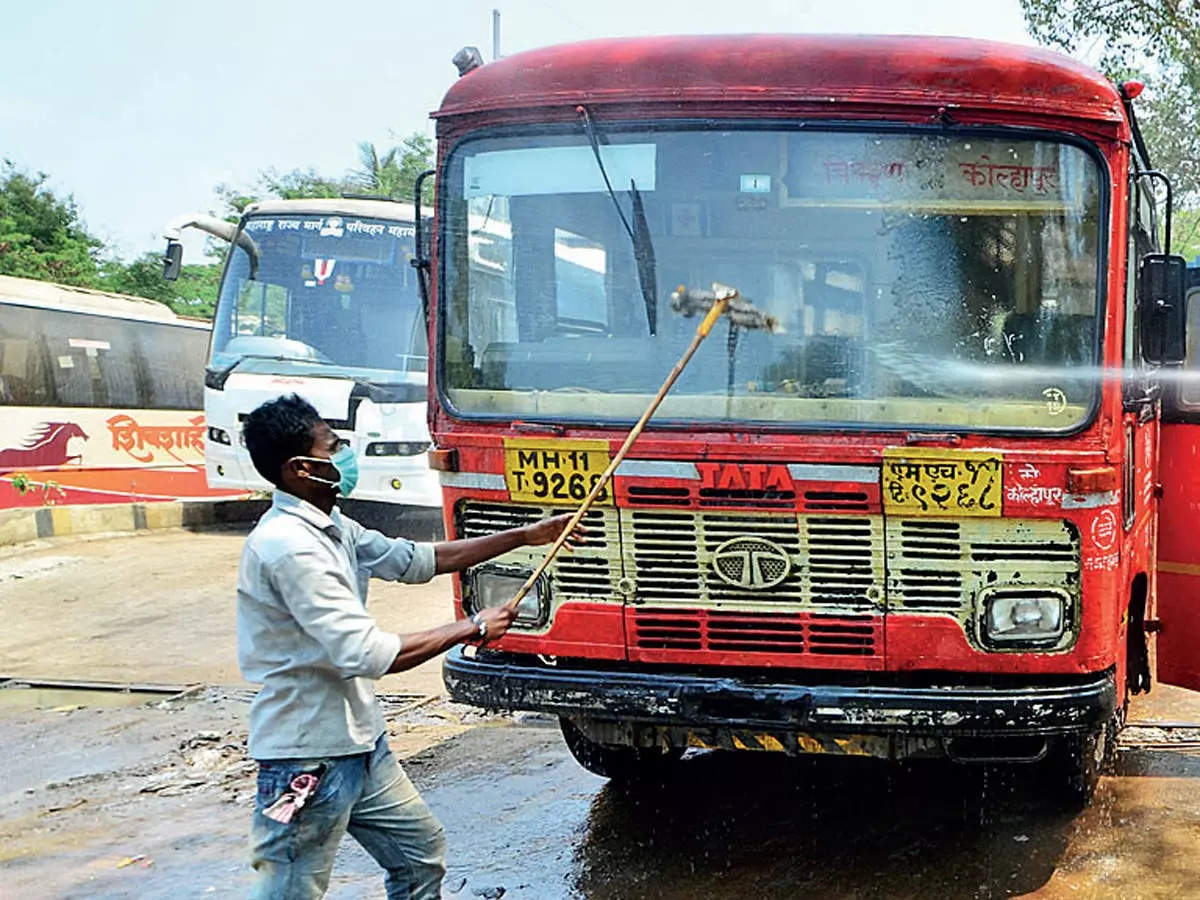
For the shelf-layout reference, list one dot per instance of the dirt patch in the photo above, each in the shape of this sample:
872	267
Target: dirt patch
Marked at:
161	607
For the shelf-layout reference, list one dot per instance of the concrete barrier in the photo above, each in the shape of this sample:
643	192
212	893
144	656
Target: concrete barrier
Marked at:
17	526
33	523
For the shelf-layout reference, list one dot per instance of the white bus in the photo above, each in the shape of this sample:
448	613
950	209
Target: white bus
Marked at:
319	298
100	398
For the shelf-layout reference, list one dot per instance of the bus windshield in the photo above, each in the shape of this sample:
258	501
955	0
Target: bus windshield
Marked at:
333	291
921	279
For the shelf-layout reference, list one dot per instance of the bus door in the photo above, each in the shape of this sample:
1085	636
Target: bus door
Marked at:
1179	516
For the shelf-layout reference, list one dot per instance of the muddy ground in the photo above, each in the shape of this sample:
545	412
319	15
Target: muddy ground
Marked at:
111	795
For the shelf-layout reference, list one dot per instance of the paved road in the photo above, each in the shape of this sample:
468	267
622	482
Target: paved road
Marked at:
86	788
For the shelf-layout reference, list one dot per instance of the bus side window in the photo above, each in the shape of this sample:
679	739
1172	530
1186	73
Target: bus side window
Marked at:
93	361
1141	242
168	384
67	338
122	368
25	372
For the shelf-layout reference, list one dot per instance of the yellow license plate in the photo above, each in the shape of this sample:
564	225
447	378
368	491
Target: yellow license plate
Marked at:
927	481
540	470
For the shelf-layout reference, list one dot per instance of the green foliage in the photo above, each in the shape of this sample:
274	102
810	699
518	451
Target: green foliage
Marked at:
386	173
416	157
1185	234
299	184
1152	41
394	173
41	235
193	294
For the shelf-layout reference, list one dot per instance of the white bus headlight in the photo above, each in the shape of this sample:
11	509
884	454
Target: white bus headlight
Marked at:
397	448
491	586
1030	615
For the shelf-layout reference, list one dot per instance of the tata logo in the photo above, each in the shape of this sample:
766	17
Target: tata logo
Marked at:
744	477
751	563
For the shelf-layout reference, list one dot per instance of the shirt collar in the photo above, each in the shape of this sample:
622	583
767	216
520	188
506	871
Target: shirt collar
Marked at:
302	509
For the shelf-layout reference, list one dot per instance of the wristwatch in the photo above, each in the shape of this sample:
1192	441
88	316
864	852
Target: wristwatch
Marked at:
477	621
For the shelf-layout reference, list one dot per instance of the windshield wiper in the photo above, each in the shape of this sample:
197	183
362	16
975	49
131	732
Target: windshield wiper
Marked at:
639	232
216	377
382	391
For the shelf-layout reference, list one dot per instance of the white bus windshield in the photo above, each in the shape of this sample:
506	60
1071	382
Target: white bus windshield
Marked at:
333	291
921	279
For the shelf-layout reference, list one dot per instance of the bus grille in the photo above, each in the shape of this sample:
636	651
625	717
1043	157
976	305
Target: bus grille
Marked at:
721	631
835	561
664	562
590	571
938	565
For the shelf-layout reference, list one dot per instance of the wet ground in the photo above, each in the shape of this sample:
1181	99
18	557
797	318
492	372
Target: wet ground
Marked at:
146	795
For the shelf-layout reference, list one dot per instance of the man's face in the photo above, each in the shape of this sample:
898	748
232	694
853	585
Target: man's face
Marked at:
325	444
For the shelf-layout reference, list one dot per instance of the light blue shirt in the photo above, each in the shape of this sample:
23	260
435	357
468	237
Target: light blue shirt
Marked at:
305	634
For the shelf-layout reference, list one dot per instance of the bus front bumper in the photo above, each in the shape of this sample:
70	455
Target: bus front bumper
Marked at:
662	698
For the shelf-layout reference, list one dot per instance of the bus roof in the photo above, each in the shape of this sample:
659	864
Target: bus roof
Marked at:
343	206
49	295
906	69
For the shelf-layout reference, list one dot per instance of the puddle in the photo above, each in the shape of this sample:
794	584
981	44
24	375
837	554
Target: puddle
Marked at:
26	696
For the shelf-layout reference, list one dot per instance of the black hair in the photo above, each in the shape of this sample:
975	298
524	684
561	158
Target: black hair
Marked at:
278	430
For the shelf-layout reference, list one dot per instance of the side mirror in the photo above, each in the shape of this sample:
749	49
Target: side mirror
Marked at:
173	260
423	243
1162	281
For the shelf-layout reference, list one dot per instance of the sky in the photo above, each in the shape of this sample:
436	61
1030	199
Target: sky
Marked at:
139	109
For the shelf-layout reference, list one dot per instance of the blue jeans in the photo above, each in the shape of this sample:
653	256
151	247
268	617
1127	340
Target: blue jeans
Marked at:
368	795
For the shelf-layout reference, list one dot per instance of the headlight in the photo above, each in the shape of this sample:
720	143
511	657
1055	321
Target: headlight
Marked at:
218	435
1028	615
397	448
493	586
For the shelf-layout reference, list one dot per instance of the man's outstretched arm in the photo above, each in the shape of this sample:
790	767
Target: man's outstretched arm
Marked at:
454	556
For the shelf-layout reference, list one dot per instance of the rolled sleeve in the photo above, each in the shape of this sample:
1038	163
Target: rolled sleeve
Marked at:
394	559
327	607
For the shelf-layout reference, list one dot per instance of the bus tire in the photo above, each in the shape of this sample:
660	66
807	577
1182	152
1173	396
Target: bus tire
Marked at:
1078	760
617	762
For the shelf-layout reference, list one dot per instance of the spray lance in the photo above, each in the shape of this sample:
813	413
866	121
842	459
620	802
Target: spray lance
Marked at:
720	301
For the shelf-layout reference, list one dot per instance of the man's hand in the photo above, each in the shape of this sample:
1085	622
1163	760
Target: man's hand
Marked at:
548	530
422	645
498	620
455	556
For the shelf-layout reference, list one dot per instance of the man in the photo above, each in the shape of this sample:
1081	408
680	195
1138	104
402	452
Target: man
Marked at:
304	633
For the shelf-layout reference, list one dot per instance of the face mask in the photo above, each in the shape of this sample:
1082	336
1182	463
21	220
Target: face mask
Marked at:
346	464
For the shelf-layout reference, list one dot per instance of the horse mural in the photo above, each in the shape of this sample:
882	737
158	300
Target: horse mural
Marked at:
45	448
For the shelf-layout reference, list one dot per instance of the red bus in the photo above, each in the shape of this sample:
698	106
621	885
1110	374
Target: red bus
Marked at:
924	520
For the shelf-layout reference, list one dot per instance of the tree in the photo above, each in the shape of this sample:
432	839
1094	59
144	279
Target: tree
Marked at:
1154	41
194	293
415	158
378	174
298	184
390	172
394	173
41	235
